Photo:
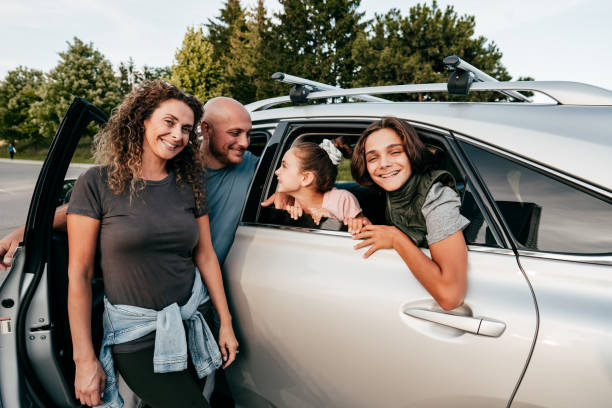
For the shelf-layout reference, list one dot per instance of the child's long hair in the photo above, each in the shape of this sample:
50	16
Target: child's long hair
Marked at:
313	158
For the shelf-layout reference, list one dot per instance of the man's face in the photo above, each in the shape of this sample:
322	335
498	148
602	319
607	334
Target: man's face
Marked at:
228	136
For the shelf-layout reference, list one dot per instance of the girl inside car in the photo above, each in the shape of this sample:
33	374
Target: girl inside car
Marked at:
422	208
307	174
143	218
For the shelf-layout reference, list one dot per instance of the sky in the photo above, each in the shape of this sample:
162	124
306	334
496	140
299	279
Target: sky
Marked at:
544	39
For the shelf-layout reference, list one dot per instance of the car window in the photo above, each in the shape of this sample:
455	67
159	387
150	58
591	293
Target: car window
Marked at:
542	212
257	141
372	201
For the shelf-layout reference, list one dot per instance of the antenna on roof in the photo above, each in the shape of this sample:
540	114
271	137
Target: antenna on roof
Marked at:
460	81
302	87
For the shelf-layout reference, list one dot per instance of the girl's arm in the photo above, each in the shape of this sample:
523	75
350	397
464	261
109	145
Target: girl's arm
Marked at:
444	276
82	241
206	261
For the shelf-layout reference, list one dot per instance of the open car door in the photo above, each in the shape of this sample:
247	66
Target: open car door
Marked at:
36	365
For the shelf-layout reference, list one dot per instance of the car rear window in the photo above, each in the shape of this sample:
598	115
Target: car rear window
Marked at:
542	212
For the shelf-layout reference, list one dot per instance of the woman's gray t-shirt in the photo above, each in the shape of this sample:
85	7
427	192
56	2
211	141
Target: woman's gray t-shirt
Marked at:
145	247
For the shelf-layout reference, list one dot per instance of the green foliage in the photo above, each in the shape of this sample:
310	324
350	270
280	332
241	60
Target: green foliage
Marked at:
409	49
17	94
195	69
82	71
228	24
314	39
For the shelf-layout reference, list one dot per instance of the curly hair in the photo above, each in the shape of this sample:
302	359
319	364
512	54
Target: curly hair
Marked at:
119	145
420	157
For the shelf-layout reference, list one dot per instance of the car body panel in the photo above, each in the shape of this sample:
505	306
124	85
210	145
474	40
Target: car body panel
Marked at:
321	326
573	349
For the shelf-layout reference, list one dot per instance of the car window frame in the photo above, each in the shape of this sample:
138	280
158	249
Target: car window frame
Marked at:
282	136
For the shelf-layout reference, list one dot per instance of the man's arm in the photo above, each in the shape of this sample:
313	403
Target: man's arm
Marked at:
9	243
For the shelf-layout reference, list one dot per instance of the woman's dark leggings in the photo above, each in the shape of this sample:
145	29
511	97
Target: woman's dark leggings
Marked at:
173	389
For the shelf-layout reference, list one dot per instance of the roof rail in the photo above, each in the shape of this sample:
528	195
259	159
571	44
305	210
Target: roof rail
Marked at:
314	87
460	80
565	93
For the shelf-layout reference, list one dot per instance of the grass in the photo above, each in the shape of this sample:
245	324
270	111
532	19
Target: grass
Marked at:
344	171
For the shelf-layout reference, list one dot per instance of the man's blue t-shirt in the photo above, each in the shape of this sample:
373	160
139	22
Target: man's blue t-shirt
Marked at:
226	191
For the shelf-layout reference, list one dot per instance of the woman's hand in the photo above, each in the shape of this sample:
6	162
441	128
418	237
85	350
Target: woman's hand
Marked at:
377	237
356	224
89	382
227	344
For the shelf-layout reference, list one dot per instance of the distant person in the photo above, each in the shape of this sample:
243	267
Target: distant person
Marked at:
12	150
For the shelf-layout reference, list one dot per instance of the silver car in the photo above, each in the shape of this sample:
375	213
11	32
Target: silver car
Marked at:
319	326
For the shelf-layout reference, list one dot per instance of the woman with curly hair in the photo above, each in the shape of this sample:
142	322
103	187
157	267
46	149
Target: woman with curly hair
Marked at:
143	216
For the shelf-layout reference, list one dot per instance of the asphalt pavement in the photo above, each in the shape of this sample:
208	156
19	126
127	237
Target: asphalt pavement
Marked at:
17	182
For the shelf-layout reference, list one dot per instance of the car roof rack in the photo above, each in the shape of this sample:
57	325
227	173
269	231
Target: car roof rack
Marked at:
463	79
464	74
303	87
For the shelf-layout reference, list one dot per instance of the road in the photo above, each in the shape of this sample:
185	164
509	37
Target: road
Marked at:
17	181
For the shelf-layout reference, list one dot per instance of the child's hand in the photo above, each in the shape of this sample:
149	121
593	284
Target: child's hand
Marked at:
356	224
377	237
318	213
295	211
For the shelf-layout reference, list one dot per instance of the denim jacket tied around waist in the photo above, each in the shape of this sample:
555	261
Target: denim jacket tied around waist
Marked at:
123	323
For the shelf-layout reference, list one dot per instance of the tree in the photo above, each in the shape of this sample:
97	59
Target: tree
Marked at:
130	76
410	49
82	71
232	20
247	67
314	39
195	69
17	93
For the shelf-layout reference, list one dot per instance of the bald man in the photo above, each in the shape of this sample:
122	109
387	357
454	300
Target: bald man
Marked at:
230	167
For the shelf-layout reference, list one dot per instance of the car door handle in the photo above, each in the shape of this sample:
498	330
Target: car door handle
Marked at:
475	325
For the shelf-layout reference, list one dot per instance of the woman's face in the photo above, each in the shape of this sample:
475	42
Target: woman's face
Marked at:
167	129
289	174
386	159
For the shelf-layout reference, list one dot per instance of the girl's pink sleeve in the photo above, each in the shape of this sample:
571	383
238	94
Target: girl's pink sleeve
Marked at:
341	203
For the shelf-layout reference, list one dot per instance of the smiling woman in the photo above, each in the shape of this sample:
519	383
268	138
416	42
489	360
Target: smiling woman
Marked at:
144	211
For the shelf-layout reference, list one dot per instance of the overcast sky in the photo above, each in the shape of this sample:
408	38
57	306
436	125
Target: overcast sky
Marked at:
545	39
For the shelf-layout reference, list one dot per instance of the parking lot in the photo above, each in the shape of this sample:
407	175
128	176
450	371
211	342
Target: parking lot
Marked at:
17	182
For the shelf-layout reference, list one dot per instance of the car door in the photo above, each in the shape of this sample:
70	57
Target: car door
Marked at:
35	350
321	326
562	228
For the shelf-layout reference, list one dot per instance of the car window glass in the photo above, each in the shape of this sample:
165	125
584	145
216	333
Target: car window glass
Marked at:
542	212
478	231
257	141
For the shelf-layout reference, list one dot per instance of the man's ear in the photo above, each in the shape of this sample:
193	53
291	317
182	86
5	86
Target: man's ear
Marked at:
307	178
206	130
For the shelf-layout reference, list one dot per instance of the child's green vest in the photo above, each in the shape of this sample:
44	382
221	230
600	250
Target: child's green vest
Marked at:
404	205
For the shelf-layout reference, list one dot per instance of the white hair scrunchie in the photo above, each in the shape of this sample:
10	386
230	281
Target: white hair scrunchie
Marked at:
332	151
